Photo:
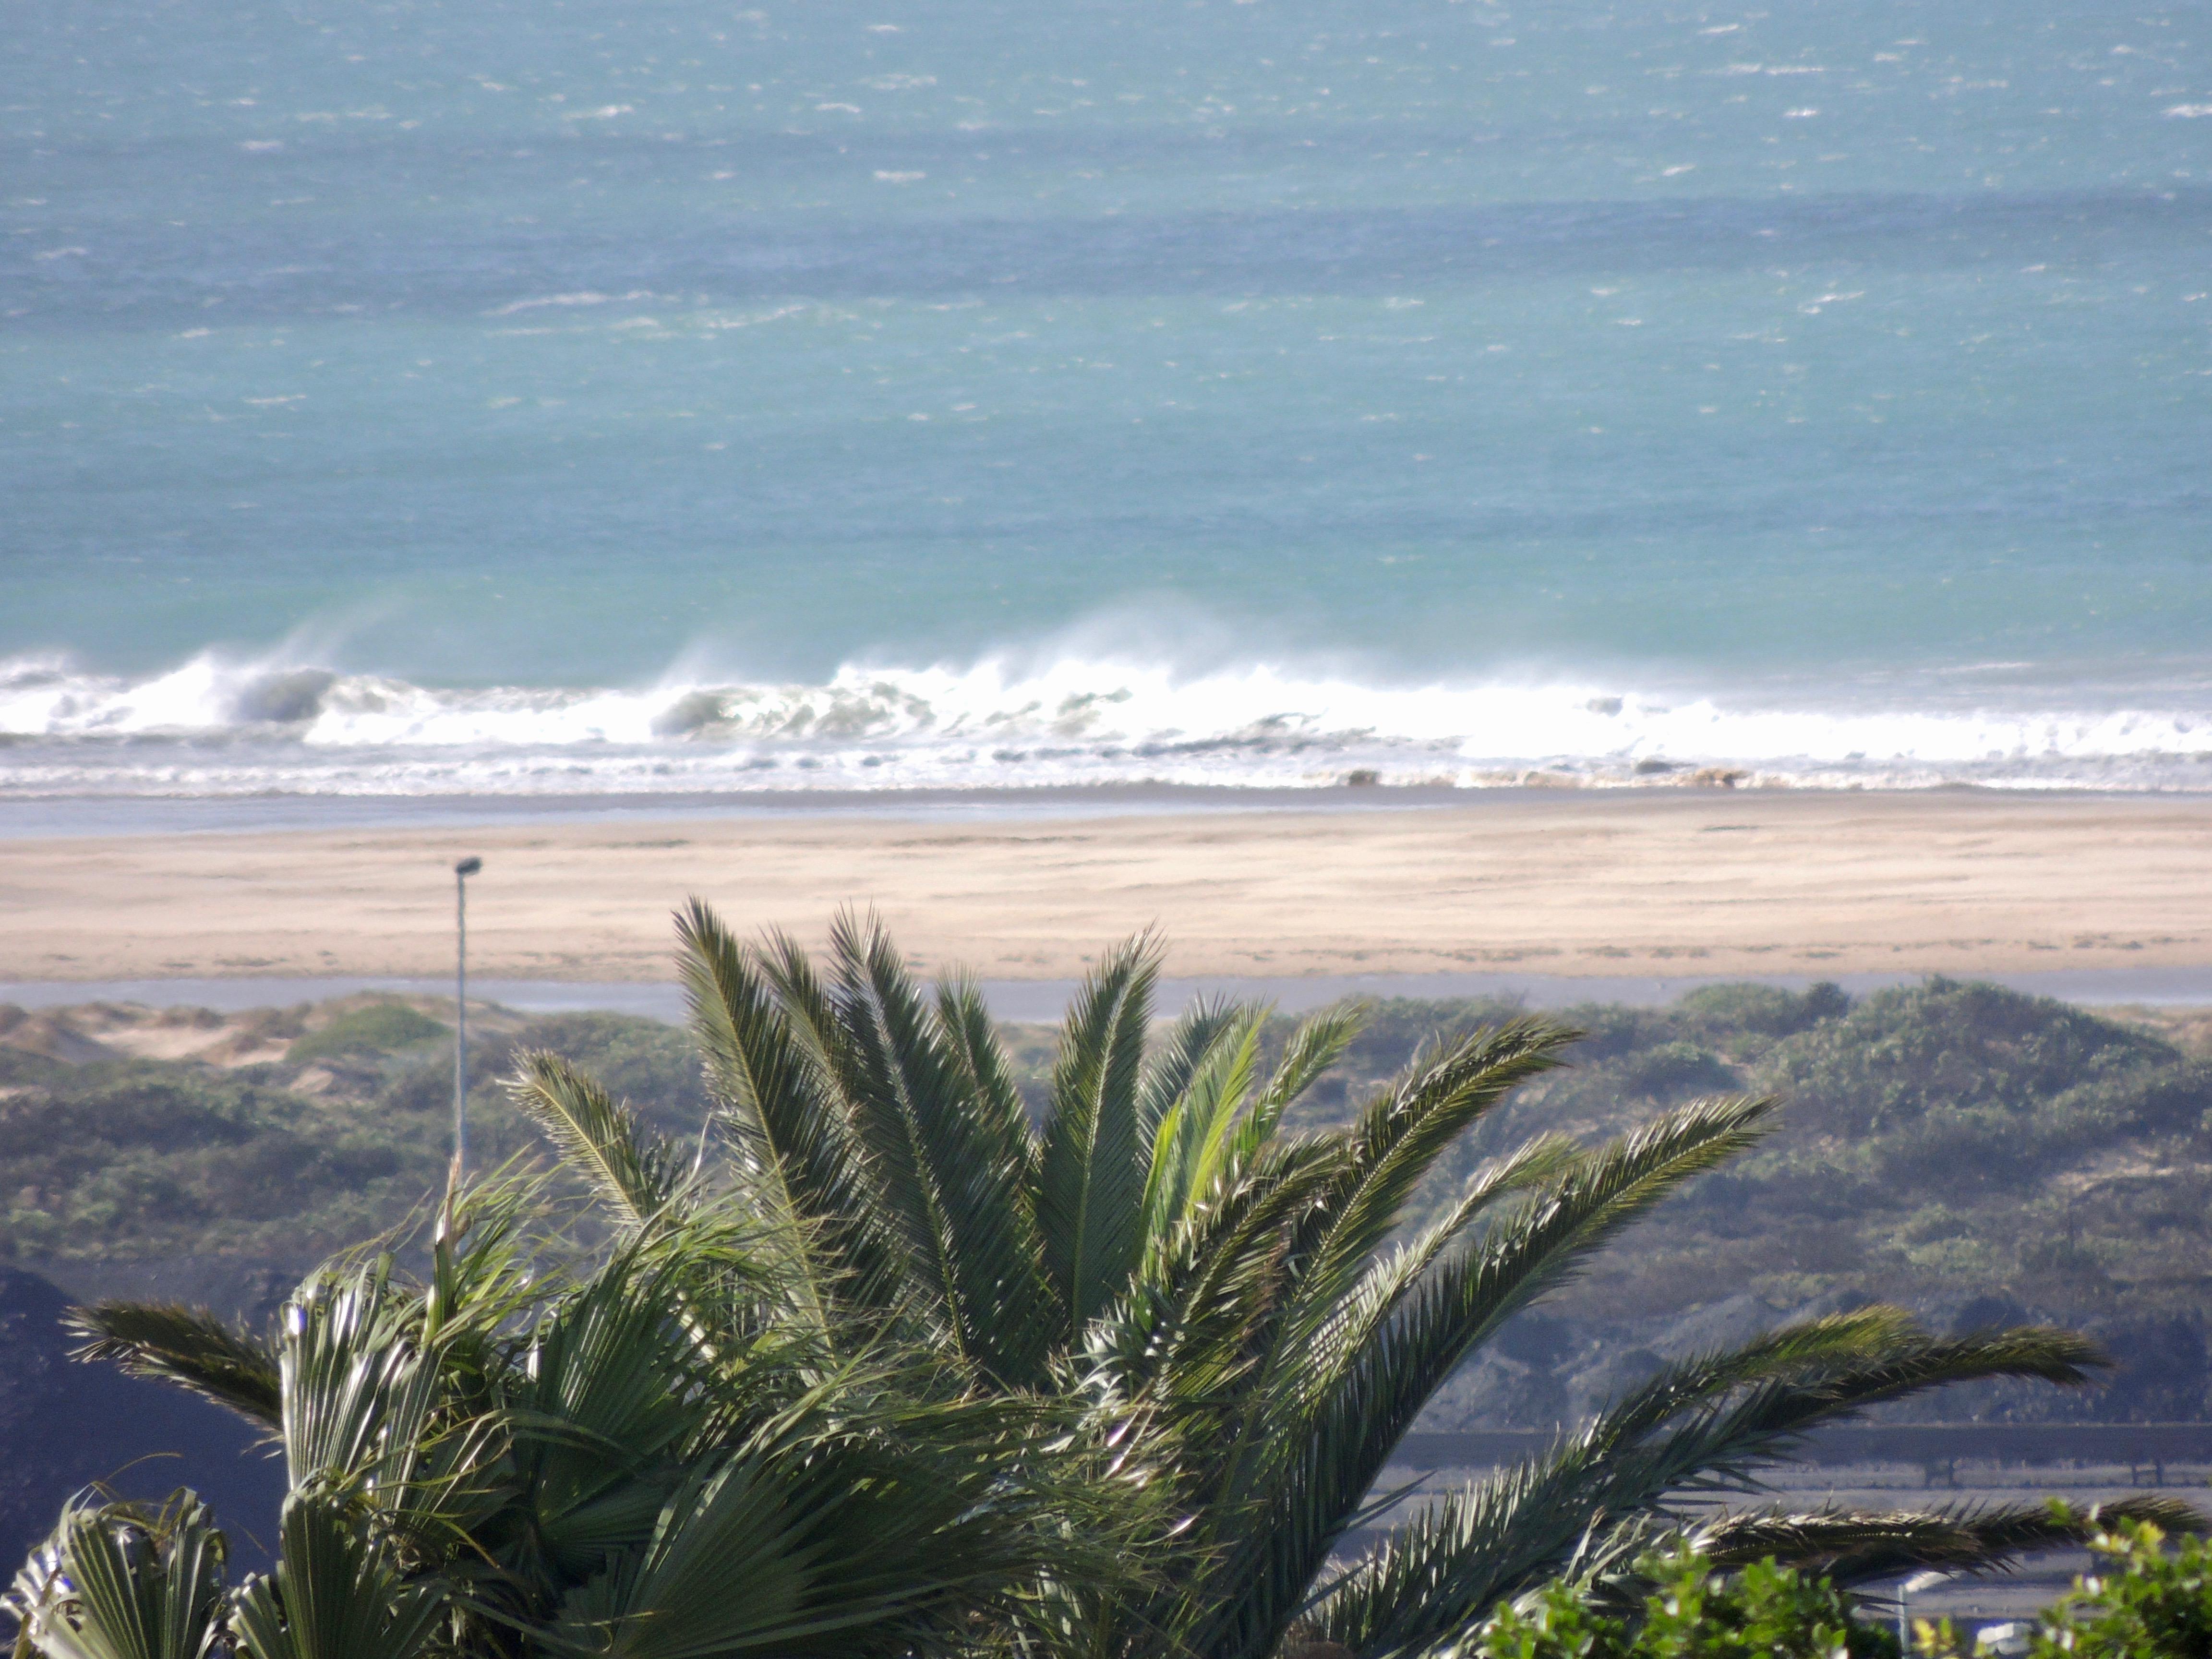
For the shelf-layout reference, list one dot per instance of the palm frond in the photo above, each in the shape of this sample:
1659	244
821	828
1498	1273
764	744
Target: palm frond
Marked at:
952	1181
1177	1055
1090	1178
336	1594
1397	1139
808	1543
1855	1547
1363	1314
125	1580
189	1346
1380	1388
358	1388
1702	1425
969	1033
1190	1143
1317	1044
634	1173
1708	1422
794	1146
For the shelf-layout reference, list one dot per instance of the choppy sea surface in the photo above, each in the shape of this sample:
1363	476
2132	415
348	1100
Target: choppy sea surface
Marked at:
590	398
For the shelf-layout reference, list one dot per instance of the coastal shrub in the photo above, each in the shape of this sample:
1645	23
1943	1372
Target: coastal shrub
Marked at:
1691	1611
1669	1069
1735	1012
651	1065
145	1158
2142	1601
883	1363
1953	1047
2078	1184
381	1028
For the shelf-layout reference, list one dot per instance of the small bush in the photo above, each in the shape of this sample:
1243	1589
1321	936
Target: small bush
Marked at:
1764	1612
382	1028
2142	1602
1766	1010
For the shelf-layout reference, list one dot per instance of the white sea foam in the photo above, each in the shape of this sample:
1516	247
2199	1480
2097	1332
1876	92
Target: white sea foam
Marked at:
219	725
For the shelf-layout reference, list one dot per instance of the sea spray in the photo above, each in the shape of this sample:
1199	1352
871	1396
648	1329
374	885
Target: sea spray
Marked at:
221	725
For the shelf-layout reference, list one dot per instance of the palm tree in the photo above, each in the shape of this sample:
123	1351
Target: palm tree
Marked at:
635	1451
1238	1309
907	1372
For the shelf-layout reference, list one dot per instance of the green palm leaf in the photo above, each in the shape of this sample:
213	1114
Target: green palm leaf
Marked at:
1399	1137
1701	1425
1176	1057
1311	1484
121	1580
1090	1180
951	1171
1190	1145
189	1346
795	1148
635	1174
336	1592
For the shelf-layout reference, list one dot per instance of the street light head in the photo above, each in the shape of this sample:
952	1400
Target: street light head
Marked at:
468	866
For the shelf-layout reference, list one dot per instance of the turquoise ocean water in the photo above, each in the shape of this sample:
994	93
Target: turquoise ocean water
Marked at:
588	398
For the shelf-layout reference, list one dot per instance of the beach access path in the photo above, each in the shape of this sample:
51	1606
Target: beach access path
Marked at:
1690	882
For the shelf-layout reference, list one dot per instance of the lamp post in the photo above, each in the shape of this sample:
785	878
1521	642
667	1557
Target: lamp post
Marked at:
462	872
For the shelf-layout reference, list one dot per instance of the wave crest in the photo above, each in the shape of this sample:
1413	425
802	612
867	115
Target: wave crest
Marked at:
220	725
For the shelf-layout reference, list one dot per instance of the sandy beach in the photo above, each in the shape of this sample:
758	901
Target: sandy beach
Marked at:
1704	883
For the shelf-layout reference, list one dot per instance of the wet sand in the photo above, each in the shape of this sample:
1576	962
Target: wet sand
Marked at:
1703	884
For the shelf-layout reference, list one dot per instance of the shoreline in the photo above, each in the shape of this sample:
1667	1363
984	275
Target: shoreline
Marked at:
1672	885
33	818
39	818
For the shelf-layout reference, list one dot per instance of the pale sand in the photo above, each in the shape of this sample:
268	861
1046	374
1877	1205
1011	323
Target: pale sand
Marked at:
1703	882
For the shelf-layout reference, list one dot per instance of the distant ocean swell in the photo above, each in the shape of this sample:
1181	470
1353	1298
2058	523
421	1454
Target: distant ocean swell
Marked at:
218	727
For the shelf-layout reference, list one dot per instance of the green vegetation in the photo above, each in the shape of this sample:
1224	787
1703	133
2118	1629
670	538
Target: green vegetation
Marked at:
889	1361
1976	1154
549	1449
121	1158
381	1028
908	1367
2144	1601
137	1158
1981	1157
1689	1612
1938	1142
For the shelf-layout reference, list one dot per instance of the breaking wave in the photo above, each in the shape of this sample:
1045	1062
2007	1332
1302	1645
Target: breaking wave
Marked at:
224	725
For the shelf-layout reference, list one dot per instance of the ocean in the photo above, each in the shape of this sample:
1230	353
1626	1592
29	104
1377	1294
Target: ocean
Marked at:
574	398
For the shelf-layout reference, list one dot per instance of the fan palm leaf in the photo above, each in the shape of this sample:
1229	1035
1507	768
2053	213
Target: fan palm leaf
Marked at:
122	1581
337	1593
